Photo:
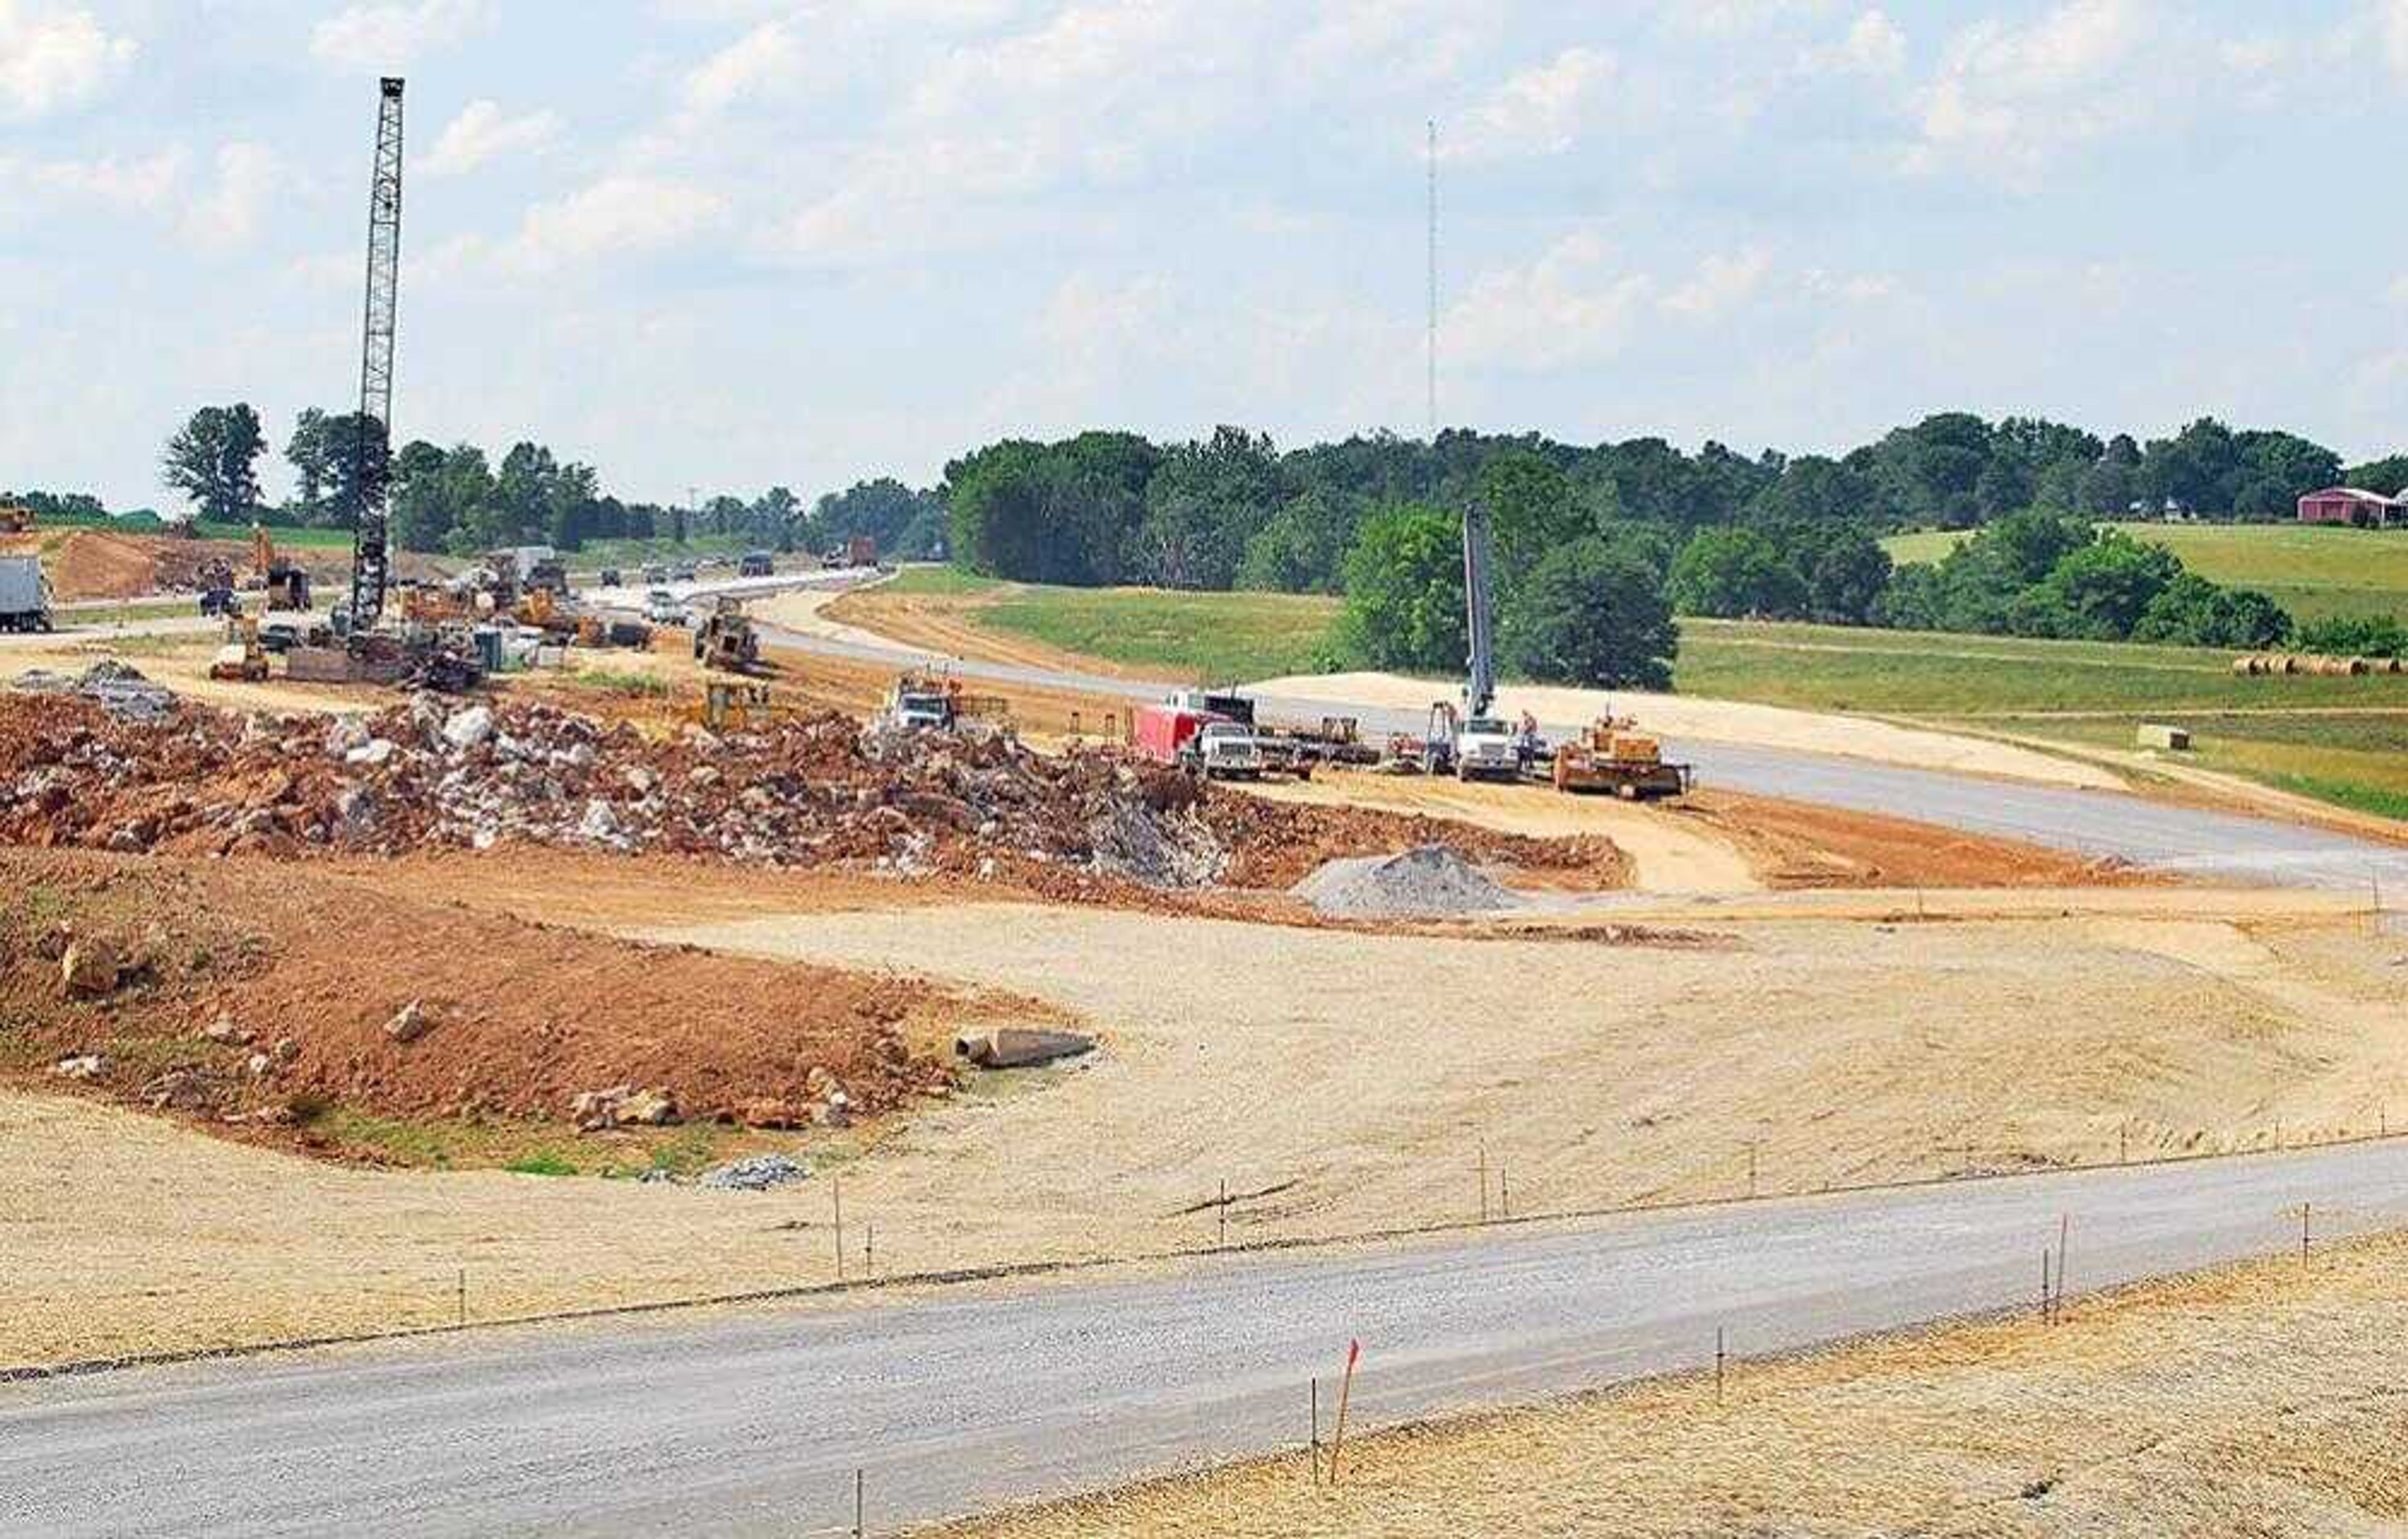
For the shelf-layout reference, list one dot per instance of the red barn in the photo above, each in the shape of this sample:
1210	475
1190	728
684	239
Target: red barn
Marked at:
2348	505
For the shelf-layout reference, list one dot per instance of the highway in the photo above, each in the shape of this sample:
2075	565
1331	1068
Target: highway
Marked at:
753	1422
2191	840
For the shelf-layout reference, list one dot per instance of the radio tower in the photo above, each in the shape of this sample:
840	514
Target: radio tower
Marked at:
371	558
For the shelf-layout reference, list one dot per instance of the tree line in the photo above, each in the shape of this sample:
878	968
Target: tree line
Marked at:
458	501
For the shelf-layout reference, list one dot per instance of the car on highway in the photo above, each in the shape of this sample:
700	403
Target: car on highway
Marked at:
663	607
607	577
683	574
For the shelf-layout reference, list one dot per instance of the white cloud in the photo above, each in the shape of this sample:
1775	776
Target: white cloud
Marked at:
390	34
1539	112
1566	307
2010	96
759	61
483	133
1873	46
1721	285
2393	15
53	58
227	216
145	185
617	214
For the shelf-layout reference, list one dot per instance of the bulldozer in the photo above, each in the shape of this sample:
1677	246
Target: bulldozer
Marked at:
725	641
241	659
727	706
287	582
1614	756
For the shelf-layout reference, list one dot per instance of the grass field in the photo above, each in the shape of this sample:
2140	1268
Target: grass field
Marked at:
2341	740
2312	572
1214	637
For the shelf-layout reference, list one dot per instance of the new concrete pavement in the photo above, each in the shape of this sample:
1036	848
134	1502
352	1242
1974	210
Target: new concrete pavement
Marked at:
752	1423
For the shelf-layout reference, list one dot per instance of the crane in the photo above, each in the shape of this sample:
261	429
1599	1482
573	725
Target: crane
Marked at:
372	443
1464	740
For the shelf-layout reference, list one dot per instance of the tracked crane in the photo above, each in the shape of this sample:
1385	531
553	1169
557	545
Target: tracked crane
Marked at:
372	443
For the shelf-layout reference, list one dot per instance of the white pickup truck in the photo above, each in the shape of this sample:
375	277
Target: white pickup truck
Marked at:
1486	748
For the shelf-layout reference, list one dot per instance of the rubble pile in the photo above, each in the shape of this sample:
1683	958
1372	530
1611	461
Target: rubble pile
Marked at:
808	790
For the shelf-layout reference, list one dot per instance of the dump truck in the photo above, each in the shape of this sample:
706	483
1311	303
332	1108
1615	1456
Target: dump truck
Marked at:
1613	756
920	703
25	594
1203	742
725	641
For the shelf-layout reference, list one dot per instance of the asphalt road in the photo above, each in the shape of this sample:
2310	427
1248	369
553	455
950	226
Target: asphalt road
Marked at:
2225	847
754	1422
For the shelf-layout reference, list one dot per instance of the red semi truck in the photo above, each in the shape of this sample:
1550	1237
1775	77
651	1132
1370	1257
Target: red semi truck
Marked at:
1201	741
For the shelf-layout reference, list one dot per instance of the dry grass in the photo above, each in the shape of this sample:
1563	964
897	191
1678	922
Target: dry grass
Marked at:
2264	1399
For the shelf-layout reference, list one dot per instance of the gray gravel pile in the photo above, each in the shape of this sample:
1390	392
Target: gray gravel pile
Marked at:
1430	881
757	1174
116	687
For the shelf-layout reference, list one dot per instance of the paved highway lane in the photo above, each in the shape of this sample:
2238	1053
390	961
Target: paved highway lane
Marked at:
2216	845
745	1423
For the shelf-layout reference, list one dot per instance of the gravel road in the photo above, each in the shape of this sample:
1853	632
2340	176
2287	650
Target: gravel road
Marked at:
754	1422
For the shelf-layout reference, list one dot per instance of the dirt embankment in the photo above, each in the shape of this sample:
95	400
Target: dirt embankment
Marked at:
1795	844
253	996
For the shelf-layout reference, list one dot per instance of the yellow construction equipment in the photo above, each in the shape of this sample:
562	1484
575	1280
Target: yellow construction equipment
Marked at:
1613	756
727	706
241	659
725	641
15	520
287	582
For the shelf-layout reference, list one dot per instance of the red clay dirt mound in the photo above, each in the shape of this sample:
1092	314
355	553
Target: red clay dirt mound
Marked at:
303	976
1278	844
96	564
1799	844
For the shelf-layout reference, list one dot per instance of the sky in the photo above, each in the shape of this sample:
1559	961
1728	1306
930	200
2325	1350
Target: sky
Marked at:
738	243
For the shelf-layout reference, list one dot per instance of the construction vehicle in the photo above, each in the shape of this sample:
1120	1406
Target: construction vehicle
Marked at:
1613	756
217	590
287	582
757	564
15	520
727	706
25	594
920	703
241	659
726	641
1205	743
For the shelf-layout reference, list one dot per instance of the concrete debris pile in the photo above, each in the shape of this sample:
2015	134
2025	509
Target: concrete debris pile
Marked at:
807	790
116	687
1430	881
760	1173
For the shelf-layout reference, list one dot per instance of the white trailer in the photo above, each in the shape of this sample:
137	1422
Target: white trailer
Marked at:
25	594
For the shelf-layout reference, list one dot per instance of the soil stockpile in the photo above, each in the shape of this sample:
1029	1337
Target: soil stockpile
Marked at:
814	790
1430	881
251	992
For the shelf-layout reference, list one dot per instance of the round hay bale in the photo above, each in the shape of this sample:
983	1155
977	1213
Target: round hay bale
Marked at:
2357	666
2395	664
2248	667
2288	662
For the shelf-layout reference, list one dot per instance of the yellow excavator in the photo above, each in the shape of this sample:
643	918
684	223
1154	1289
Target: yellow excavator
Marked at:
241	659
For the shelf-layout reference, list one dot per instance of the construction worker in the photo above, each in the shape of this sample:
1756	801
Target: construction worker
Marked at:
1525	745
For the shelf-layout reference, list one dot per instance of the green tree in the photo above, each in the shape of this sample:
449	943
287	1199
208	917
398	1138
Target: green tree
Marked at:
1302	549
1846	582
1203	503
2190	611
312	454
1532	508
1732	573
214	461
2102	589
1591	614
1404	591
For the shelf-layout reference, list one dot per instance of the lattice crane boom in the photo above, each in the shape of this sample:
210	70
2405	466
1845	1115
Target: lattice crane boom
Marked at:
372	445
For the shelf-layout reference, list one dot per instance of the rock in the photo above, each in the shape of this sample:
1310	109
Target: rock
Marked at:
285	1051
640	780
81	1066
370	755
356	809
259	1066
1019	1046
623	1106
90	966
410	1023
224	1031
768	1113
181	1091
345	737
756	1174
600	824
465	729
